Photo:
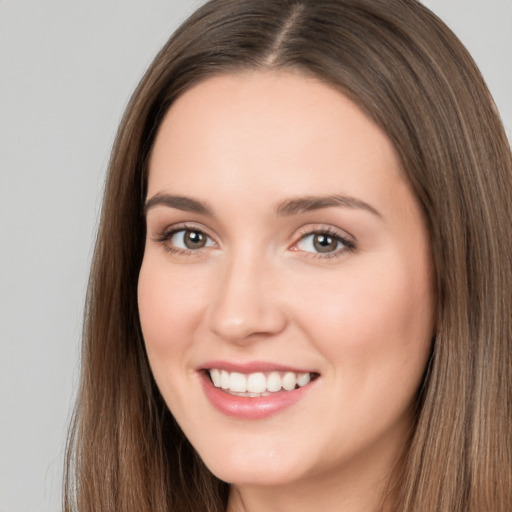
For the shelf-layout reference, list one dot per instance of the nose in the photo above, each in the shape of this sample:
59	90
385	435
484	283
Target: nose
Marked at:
247	304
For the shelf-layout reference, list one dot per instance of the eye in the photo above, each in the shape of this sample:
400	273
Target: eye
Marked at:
190	239
324	242
185	240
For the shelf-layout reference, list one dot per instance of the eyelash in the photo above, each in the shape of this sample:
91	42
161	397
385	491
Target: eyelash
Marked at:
348	245
166	235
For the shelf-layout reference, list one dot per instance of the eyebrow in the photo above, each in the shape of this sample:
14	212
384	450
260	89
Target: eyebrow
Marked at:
289	207
184	203
310	203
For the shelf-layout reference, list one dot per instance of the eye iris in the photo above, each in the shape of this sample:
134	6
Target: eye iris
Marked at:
194	239
325	243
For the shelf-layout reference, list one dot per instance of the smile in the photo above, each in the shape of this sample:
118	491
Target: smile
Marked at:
255	391
258	384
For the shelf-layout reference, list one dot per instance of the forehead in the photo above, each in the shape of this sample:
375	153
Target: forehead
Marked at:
269	132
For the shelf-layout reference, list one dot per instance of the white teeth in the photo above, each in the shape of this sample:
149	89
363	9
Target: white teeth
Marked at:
215	375
289	381
258	383
303	379
238	382
224	379
274	382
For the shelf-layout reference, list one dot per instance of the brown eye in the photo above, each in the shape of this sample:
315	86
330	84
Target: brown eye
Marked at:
325	243
194	239
188	240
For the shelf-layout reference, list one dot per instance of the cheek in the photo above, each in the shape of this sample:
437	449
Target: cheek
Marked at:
374	329
373	320
169	315
167	309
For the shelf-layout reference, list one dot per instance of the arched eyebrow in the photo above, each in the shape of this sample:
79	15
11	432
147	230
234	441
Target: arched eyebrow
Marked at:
308	203
289	207
184	203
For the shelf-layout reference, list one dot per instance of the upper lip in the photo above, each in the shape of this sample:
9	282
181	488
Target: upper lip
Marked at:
251	367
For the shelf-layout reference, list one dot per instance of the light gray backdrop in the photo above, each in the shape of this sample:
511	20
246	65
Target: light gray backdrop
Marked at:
67	69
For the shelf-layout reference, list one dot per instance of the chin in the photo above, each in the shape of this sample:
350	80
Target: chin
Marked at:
260	467
249	475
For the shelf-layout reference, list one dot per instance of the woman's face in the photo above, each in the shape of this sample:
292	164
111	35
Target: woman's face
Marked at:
284	250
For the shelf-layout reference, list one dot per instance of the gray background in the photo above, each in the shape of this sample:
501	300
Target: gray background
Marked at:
67	69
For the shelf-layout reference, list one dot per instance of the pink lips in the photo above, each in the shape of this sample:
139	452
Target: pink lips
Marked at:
250	408
250	367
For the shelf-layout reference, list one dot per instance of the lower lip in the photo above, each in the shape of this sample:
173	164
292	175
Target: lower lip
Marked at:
254	408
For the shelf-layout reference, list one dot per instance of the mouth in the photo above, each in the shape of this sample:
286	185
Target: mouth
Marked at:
258	384
255	390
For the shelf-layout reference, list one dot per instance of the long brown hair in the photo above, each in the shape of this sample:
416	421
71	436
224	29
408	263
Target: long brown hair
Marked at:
410	74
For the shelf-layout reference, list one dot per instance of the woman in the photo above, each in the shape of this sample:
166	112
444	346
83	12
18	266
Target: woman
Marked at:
300	296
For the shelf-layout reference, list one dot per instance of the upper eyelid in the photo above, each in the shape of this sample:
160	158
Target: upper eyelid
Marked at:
184	226
325	228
